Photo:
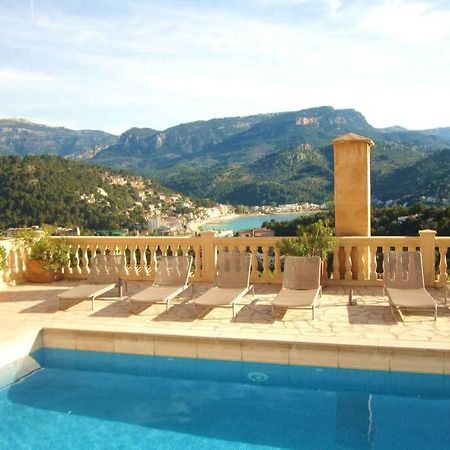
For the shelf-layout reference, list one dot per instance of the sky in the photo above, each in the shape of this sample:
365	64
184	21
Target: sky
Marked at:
116	64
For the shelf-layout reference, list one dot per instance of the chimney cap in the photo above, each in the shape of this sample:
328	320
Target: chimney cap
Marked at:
352	137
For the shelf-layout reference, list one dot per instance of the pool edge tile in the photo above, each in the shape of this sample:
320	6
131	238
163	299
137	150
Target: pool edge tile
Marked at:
363	359
58	338
167	346
135	344
314	355
422	361
221	350
91	341
253	351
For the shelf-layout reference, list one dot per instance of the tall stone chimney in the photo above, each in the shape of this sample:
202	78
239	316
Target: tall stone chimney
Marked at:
352	185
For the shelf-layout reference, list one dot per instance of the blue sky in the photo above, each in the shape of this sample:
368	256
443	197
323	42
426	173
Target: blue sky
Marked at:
114	64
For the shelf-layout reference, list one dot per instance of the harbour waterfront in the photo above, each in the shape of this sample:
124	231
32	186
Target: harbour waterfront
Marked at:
249	221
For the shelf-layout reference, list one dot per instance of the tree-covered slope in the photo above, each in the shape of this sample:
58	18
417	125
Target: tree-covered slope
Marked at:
20	137
265	158
428	177
49	189
261	163
398	220
282	177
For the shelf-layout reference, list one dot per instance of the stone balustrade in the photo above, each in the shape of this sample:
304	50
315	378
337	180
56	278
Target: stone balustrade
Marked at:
14	272
355	260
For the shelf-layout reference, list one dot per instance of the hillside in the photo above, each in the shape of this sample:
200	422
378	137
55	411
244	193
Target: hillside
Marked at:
52	190
387	221
283	177
428	177
20	137
266	158
143	148
280	158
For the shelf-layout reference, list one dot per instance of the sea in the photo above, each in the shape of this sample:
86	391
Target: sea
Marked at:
246	222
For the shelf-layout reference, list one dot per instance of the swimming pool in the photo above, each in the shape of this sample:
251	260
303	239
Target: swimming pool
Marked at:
90	400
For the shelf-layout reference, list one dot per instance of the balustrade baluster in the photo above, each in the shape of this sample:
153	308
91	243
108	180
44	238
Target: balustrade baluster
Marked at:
254	275
277	268
443	264
198	273
348	262
77	261
21	261
134	267
67	270
85	261
266	271
154	261
336	265
373	262
144	269
385	250
360	252
12	267
122	250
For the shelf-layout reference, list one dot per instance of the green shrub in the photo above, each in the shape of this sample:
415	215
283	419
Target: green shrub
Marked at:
316	239
3	257
53	253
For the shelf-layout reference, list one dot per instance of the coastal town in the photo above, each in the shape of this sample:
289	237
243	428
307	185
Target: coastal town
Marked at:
170	221
173	224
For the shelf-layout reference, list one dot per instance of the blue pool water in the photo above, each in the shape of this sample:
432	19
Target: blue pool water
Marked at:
89	400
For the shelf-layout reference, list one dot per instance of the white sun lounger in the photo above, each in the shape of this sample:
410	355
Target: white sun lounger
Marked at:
403	283
301	283
232	281
171	280
104	275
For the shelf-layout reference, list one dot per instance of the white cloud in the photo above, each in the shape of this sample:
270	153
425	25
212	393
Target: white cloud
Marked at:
165	62
416	22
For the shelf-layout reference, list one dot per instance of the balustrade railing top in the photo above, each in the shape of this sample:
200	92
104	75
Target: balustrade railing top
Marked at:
355	260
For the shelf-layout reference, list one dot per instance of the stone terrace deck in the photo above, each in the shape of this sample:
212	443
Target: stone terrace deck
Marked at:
26	309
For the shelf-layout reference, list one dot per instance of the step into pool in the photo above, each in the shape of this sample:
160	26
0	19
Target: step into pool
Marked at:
91	400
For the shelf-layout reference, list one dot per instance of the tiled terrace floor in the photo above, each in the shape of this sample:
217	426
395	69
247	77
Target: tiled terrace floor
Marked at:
30	307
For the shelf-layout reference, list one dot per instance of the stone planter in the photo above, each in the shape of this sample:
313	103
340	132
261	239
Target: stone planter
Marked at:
37	274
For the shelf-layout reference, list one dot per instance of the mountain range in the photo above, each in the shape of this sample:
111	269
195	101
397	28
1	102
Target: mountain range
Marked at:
265	158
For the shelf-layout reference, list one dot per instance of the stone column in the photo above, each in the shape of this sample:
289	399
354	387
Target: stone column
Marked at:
208	255
352	185
352	191
428	250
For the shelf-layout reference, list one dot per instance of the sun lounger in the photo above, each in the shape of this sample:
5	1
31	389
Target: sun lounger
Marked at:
301	283
104	275
232	281
403	282
171	280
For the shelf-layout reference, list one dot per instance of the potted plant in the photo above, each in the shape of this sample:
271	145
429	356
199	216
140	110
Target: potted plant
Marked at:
46	256
316	239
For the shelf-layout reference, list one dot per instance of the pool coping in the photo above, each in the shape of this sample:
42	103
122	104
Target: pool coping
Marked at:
370	354
373	354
